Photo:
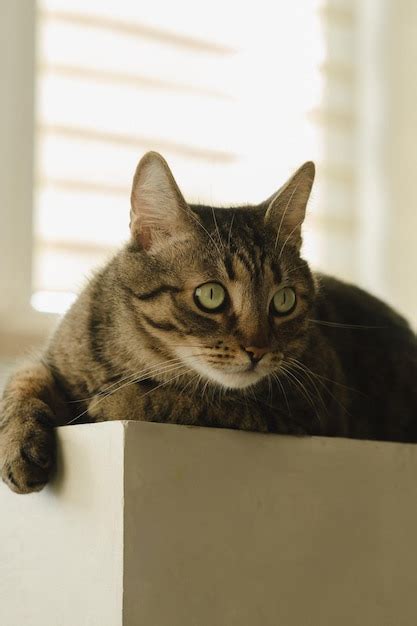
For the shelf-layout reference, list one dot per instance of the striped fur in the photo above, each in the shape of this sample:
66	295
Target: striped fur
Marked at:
136	346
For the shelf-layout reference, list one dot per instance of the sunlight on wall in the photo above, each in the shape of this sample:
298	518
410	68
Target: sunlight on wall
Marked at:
223	91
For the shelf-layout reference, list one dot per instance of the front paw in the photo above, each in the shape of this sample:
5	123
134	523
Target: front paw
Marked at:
29	455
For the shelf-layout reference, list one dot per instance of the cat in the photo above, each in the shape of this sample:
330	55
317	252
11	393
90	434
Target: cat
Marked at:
210	317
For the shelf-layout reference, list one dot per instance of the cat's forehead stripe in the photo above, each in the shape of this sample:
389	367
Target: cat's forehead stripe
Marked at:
228	264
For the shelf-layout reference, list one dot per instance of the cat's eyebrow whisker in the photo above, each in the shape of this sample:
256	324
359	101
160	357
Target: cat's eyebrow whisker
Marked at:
294	269
191	214
217	228
288	238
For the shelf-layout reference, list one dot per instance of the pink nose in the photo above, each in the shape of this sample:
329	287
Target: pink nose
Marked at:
255	353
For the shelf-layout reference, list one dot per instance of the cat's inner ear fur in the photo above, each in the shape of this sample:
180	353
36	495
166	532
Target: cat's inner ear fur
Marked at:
286	209
158	208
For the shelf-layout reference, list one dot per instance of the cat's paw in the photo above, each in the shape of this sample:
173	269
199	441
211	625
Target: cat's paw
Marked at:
29	449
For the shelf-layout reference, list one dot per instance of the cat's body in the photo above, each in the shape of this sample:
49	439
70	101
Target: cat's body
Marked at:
210	317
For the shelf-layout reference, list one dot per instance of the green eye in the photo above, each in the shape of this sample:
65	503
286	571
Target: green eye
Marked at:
210	297
283	301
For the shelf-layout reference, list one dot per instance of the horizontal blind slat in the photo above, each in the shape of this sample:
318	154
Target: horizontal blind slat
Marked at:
199	97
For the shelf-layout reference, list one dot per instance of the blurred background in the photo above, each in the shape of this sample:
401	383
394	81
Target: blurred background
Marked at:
235	97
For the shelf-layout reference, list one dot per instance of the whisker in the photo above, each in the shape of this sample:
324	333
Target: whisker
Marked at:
303	389
217	227
169	368
189	383
294	269
280	383
269	388
100	399
330	380
154	370
166	382
341	325
327	389
145	372
288	238
163	370
205	388
302	369
191	214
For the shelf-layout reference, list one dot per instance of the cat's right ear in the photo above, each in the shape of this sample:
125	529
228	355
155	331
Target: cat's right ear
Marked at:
157	206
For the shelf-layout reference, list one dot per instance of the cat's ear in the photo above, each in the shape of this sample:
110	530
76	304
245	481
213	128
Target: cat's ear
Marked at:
286	209
157	205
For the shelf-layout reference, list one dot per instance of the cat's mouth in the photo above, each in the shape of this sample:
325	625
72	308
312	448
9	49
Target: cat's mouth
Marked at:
236	375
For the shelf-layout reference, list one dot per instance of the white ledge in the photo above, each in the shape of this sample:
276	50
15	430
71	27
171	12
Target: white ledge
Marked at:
166	525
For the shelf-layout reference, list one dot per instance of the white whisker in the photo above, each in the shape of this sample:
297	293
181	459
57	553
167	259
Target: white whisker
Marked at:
284	213
165	370
145	372
217	227
341	325
288	238
280	383
191	214
304	391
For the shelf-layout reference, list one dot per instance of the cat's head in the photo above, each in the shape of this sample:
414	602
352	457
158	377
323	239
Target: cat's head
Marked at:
224	291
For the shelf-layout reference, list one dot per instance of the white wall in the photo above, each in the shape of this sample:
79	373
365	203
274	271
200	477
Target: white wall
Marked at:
387	150
399	148
386	258
16	151
20	325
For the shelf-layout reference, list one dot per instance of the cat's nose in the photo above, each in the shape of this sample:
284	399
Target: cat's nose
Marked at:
255	354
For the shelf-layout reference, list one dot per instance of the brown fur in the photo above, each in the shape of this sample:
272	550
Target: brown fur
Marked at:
135	345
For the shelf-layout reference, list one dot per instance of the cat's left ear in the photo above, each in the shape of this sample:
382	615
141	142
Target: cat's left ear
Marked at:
287	208
158	208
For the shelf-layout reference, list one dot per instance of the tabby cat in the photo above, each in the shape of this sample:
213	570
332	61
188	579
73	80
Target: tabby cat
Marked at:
210	317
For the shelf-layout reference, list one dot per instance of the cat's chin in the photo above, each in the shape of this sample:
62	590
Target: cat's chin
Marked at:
239	381
231	380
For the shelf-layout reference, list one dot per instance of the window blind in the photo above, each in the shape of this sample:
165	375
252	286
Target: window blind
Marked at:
234	97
